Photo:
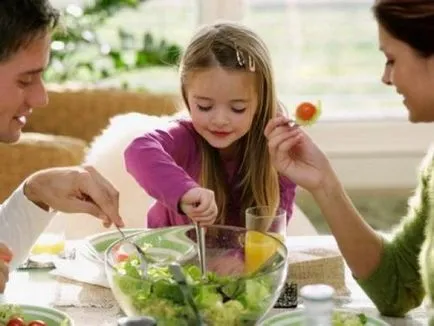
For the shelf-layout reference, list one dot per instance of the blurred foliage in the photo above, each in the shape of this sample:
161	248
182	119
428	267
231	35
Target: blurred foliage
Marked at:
78	53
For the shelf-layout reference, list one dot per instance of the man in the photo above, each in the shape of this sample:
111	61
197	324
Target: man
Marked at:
25	29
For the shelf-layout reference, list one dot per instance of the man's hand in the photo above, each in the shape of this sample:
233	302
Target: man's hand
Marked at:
75	190
5	258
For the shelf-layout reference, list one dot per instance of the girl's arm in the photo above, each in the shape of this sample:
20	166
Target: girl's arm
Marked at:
287	196
158	161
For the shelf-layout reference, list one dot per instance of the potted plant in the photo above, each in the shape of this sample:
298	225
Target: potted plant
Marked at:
79	54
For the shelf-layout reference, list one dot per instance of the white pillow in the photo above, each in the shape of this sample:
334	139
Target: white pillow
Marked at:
106	154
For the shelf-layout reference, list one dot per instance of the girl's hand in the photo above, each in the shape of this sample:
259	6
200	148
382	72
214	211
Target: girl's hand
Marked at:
295	155
226	265
199	205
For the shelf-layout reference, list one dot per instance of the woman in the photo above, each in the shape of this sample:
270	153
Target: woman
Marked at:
391	271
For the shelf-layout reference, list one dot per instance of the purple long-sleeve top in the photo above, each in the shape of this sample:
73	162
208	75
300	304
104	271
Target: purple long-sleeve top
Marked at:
166	162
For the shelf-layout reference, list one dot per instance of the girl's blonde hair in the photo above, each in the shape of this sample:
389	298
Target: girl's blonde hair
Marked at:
235	47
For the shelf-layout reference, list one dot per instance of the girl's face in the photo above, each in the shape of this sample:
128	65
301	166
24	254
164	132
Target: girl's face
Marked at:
411	74
222	105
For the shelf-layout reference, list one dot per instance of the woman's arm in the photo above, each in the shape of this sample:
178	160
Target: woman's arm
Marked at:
388	271
361	246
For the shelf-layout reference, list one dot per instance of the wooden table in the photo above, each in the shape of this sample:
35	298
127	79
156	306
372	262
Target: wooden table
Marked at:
39	288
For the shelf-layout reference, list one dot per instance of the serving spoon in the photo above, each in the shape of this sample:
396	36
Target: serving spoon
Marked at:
142	255
200	236
179	277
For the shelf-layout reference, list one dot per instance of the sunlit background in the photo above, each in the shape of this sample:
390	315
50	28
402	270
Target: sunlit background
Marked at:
322	50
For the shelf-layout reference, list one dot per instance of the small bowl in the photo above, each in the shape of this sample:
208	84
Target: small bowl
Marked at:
50	316
232	292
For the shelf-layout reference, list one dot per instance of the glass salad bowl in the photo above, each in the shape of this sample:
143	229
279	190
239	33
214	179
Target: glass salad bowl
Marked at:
246	271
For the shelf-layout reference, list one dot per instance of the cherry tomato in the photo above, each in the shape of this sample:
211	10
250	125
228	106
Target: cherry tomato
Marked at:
16	321
121	256
123	251
37	323
305	111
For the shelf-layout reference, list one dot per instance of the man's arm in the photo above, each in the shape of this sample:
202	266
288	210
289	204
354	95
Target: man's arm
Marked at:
21	223
24	215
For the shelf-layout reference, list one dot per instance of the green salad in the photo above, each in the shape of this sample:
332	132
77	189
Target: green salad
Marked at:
349	319
9	311
221	300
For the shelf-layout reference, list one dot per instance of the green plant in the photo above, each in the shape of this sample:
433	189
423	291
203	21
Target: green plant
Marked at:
79	54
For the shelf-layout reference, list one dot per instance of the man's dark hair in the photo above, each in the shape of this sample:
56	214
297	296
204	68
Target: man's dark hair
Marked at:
22	21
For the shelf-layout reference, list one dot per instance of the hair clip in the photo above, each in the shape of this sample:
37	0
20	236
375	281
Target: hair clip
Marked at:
240	57
252	66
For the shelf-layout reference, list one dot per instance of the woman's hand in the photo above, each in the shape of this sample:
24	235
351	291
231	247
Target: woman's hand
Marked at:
199	205
295	155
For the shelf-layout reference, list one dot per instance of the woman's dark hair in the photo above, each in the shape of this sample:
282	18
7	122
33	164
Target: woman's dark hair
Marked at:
22	21
410	21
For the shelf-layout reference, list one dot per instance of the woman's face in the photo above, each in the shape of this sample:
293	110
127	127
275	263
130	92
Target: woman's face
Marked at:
411	74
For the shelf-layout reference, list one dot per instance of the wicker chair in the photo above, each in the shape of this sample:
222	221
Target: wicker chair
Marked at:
58	135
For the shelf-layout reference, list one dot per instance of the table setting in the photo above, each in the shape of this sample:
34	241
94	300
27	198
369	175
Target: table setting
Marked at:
101	280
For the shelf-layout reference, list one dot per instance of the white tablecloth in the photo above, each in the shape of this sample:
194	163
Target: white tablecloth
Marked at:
40	288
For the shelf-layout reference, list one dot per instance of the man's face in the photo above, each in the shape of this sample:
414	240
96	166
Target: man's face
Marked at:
21	86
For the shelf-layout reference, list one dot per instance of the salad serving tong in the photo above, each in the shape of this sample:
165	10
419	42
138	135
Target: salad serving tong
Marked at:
137	321
179	277
142	255
200	236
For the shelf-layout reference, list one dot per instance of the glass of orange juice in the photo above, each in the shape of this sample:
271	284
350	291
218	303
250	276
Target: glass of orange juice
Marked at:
262	221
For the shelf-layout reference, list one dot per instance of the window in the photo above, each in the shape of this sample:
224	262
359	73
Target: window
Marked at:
325	50
321	49
171	20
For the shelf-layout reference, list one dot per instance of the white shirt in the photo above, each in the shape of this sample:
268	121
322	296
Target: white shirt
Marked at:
21	223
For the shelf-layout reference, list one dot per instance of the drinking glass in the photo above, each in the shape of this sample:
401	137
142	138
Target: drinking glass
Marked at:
262	220
50	245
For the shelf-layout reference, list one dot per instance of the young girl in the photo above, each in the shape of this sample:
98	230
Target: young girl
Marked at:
212	166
